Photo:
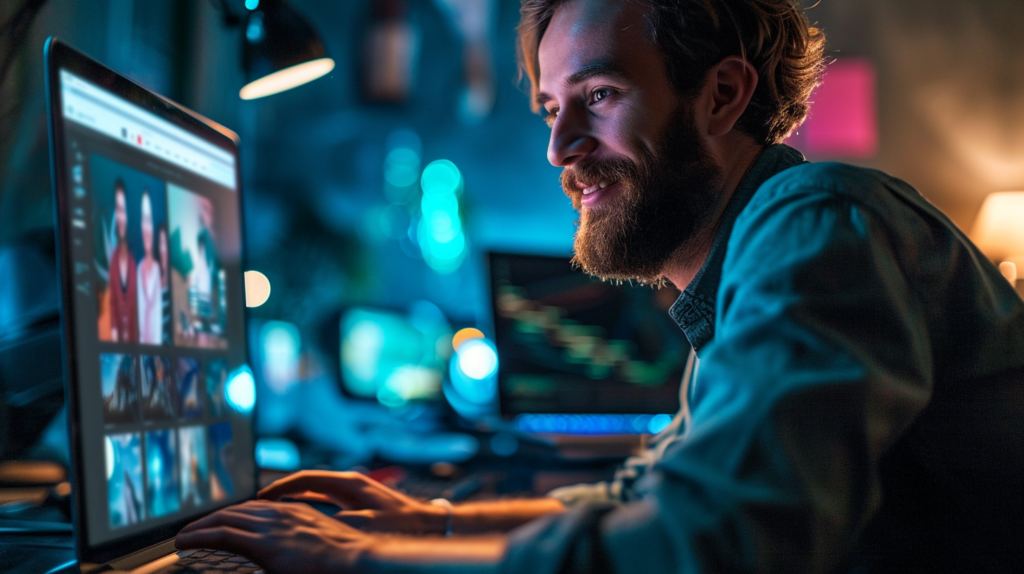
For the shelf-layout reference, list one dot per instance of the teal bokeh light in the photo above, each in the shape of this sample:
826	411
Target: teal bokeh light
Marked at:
401	167
241	390
446	203
440	232
473	370
441	177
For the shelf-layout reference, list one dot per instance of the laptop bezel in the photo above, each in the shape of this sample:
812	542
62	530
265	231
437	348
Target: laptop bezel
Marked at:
59	56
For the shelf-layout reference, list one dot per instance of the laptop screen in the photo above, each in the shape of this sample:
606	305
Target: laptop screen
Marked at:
153	310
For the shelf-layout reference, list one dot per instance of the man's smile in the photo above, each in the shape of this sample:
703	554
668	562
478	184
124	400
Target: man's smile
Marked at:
599	193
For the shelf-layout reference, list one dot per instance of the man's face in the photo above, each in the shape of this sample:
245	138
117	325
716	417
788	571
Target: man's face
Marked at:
120	214
634	165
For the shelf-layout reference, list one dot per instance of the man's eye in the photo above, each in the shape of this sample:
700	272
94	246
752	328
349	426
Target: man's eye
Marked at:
599	94
550	118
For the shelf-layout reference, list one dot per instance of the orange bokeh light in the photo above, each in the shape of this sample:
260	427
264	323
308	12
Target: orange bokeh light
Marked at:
465	335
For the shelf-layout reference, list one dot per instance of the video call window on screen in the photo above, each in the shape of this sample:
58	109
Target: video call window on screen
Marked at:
161	281
178	463
156	238
180	469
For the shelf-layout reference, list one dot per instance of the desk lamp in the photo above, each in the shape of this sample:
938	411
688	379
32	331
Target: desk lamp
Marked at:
280	50
999	231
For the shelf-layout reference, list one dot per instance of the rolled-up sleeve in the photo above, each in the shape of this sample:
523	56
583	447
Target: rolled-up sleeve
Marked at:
820	360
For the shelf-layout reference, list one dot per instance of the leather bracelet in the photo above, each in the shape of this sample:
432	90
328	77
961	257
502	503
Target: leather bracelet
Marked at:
449	518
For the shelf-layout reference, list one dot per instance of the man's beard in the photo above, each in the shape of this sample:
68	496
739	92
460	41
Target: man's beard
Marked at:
664	202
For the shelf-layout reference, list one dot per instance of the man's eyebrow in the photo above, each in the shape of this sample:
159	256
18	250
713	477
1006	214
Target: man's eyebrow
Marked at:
594	70
584	74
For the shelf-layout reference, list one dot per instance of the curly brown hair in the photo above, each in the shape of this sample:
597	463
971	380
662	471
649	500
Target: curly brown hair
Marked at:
694	35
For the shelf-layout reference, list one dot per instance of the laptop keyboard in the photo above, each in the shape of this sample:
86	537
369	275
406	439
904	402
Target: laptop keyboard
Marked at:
210	562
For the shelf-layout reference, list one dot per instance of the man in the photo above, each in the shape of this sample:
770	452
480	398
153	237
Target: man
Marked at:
122	292
859	397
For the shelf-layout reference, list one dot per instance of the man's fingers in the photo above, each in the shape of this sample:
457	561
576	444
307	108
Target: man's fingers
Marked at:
310	496
315	480
233	517
346	488
360	519
225	538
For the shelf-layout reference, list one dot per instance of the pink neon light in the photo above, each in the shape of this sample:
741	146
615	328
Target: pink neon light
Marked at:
843	120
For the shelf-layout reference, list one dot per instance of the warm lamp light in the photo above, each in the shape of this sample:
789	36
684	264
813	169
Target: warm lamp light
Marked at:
280	51
1009	271
999	228
286	79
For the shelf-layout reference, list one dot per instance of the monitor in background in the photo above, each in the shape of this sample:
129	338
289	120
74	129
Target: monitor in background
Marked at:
152	307
578	355
393	357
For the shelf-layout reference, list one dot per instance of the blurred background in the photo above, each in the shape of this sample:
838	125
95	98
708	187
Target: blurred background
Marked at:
373	194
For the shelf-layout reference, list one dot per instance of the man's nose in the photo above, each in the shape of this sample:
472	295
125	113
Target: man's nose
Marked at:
571	138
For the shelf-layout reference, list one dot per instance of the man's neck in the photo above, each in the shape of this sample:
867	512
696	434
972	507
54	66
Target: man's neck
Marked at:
690	256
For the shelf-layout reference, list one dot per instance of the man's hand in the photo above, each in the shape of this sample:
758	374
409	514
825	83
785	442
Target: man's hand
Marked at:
366	504
280	537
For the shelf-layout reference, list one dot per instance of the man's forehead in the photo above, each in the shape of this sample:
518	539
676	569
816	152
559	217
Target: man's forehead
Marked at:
586	32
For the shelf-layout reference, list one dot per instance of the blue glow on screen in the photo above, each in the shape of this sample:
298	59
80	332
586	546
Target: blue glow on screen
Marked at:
658	423
592	424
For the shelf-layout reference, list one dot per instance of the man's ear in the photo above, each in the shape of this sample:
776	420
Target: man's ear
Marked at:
730	86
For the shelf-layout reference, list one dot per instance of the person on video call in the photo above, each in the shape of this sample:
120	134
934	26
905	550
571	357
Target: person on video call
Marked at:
150	282
165	290
122	288
857	404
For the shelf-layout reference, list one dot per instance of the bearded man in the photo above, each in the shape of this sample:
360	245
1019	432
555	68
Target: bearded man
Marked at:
858	401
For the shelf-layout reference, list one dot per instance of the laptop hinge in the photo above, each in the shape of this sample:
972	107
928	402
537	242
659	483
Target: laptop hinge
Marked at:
140	557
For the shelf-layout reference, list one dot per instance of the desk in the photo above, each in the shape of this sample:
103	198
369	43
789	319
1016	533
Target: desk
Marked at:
37	554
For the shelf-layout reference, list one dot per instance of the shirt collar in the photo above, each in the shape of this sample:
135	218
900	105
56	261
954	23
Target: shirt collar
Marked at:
694	310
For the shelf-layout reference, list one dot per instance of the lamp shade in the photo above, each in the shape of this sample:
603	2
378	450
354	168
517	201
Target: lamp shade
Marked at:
999	228
280	51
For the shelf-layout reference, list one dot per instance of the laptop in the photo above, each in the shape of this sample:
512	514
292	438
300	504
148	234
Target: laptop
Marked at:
147	198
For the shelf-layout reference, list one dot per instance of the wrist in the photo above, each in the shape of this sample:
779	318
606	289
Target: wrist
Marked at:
428	555
371	558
